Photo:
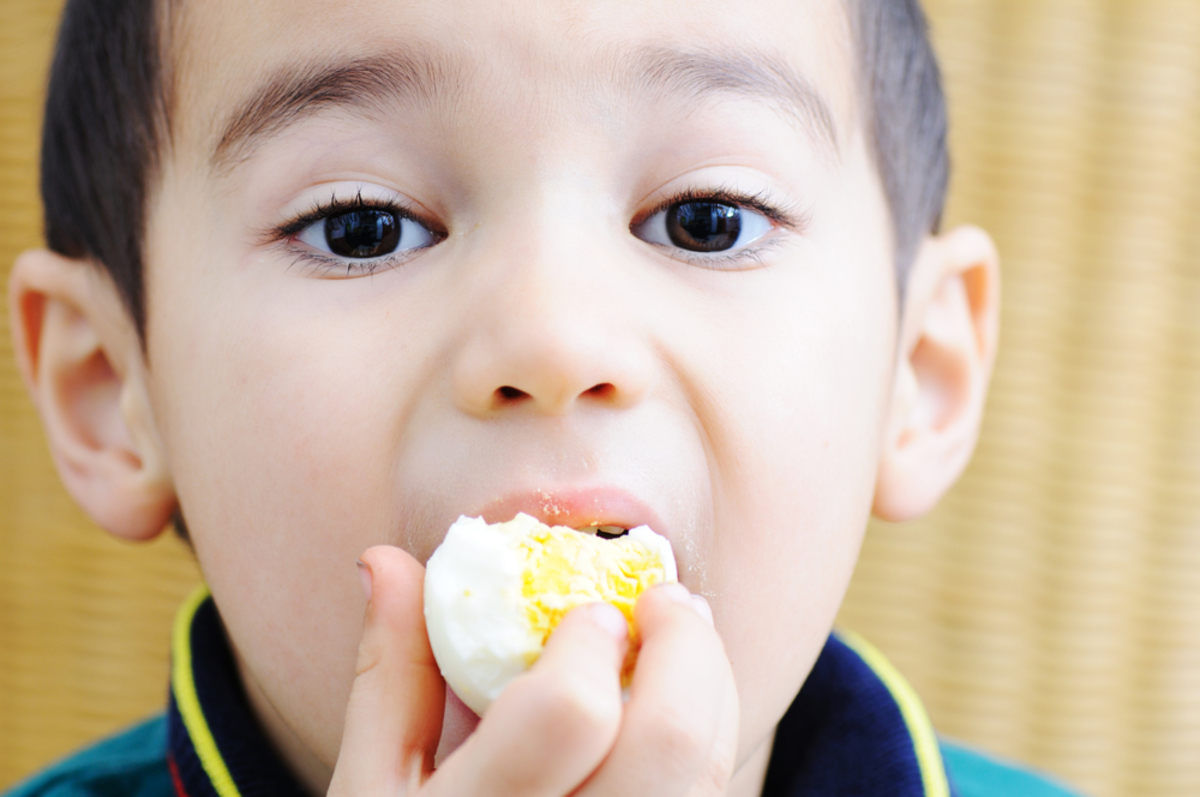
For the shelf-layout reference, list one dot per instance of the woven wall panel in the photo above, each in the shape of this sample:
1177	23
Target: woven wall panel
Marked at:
84	619
1049	609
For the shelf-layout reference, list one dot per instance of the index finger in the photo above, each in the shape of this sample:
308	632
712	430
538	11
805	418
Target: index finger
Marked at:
394	716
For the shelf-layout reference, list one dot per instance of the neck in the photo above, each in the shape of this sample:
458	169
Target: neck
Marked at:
312	773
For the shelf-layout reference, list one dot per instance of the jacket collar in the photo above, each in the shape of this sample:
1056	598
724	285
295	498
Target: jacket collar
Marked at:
215	746
856	729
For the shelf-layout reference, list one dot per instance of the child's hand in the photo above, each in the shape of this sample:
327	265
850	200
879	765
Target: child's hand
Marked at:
560	728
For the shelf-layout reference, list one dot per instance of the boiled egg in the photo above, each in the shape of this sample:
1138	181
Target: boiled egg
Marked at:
495	592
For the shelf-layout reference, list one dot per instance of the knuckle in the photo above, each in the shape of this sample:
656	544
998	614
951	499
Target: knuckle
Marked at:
370	654
717	772
679	740
575	706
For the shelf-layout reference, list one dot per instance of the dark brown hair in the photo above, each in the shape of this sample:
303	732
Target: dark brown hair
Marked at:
102	136
106	125
906	112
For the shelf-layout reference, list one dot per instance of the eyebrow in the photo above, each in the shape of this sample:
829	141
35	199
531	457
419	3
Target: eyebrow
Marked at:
296	93
762	76
371	84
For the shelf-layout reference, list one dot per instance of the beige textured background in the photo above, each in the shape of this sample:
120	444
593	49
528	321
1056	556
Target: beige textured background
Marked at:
1049	610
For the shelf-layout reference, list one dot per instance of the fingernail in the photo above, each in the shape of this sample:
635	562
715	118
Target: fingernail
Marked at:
364	573
609	618
676	592
679	593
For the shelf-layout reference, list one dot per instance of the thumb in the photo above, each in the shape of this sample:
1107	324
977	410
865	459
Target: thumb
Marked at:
394	717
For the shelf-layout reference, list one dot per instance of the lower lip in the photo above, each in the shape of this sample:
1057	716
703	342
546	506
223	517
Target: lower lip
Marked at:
575	508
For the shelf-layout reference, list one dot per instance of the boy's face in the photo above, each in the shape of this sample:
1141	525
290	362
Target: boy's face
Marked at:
537	340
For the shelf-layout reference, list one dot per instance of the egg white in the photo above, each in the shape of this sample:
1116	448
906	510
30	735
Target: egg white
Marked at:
477	629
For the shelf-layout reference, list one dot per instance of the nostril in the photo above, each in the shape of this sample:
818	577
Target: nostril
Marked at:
508	393
604	390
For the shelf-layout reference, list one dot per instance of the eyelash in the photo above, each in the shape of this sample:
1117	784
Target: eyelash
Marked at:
320	211
789	218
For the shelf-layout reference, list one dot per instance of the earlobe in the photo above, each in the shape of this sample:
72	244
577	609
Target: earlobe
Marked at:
81	360
944	363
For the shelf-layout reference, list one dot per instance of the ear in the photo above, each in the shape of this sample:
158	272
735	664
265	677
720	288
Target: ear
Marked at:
82	362
944	364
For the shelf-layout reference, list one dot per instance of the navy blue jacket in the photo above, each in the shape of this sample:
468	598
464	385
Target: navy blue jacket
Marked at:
856	729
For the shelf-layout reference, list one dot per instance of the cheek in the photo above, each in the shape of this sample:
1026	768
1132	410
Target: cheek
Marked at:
282	422
279	498
795	468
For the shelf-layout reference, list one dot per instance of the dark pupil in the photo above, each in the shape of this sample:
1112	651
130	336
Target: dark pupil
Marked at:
362	233
703	226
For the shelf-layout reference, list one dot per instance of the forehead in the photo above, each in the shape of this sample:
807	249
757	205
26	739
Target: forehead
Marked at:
532	58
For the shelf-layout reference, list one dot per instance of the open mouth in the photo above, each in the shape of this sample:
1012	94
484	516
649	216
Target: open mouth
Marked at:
604	532
608	513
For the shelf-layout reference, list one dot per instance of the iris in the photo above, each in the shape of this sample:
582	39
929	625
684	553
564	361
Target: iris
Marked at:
704	226
362	233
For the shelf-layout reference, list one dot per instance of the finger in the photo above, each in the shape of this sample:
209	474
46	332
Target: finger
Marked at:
394	716
679	729
553	725
722	761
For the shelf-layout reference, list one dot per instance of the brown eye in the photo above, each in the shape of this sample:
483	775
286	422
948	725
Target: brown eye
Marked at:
362	233
704	226
366	233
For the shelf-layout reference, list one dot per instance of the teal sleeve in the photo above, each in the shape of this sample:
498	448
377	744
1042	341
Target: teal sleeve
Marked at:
974	774
132	763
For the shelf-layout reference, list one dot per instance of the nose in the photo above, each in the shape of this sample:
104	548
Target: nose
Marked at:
550	336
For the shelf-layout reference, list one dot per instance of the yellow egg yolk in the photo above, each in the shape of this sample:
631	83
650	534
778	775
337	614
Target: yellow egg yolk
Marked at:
565	568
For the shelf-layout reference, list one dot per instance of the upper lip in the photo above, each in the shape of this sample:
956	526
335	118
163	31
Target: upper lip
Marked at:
575	507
